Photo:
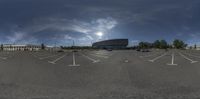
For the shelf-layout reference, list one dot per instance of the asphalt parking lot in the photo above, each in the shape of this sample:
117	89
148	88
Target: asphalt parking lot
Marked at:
100	74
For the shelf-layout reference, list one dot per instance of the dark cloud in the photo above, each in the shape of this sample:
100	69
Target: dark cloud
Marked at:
53	21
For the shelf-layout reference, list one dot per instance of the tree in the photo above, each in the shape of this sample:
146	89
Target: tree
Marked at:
141	45
1	46
42	46
163	44
179	44
160	44
144	45
156	44
62	47
195	46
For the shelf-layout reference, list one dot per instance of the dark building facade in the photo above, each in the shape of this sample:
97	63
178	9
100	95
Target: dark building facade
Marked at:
111	44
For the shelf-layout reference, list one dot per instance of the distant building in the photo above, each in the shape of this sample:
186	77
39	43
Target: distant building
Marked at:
14	47
52	48
193	48
111	44
198	48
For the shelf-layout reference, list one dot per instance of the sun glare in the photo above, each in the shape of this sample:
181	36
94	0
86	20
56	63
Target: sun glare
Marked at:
99	34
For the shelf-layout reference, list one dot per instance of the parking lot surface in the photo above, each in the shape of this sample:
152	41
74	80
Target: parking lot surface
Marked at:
100	74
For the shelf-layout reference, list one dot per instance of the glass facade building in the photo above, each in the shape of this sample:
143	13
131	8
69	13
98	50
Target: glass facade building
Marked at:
111	44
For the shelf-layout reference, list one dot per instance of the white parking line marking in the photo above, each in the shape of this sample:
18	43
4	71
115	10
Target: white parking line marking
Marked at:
99	56
33	55
3	58
93	60
49	56
192	55
74	61
42	55
98	53
152	60
191	61
54	62
126	61
149	55
172	63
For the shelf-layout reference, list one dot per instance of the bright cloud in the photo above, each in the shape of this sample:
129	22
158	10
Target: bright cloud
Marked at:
17	36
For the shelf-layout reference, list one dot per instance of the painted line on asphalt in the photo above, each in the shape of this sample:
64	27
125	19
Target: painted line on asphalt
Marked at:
192	55
191	61
37	56
99	56
49	56
93	60
146	56
33	55
98	53
74	61
126	60
4	58
152	60
42	55
54	61
172	62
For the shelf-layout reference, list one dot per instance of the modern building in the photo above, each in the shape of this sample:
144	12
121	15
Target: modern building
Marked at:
14	47
193	48
111	44
198	48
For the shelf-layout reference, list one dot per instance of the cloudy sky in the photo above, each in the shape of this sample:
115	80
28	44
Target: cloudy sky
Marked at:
87	21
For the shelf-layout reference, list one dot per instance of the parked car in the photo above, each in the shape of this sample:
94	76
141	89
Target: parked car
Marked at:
138	49
109	49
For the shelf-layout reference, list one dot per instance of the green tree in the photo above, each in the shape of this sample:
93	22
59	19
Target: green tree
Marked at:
179	44
156	44
145	45
163	44
141	45
62	47
195	46
1	46
42	46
